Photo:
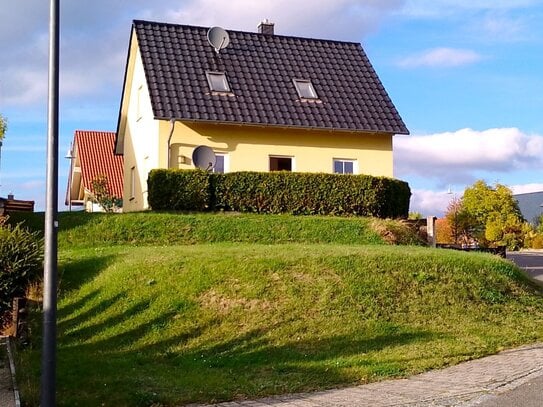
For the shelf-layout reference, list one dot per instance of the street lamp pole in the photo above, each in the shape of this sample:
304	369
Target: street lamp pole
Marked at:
48	378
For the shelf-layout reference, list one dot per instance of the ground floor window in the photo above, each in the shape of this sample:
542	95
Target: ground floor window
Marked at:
342	166
220	163
280	163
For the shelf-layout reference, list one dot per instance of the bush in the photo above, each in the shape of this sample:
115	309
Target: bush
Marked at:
537	242
20	262
279	192
179	190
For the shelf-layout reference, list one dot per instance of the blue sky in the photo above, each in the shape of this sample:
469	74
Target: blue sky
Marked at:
466	76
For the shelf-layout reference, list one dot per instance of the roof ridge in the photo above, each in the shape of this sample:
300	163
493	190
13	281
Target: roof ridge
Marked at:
246	32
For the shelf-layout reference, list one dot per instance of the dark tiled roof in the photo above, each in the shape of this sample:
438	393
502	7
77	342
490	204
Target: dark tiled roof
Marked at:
260	69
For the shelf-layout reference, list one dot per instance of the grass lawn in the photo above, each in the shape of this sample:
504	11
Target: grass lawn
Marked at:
181	323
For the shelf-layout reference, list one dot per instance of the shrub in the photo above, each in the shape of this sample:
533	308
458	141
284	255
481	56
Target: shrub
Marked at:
20	262
537	242
279	192
179	190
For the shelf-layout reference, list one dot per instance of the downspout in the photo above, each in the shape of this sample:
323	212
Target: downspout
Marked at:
172	128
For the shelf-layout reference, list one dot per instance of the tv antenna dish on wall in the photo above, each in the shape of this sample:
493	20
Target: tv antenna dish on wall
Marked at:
204	158
218	38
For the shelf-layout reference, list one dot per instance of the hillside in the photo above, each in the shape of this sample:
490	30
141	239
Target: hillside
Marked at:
145	228
179	323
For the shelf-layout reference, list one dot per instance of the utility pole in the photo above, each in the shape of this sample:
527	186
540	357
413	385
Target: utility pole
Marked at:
48	374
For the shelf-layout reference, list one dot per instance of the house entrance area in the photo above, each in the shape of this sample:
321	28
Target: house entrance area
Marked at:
280	164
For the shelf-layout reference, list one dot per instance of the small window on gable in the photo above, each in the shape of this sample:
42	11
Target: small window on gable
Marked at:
305	89
218	82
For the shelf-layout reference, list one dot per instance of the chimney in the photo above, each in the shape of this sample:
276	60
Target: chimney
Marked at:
266	27
11	197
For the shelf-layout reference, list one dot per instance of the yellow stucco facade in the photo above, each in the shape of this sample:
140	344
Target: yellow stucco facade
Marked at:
146	143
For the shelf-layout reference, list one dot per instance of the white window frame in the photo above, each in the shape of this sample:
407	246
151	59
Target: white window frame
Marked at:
221	76
345	160
132	182
305	89
226	161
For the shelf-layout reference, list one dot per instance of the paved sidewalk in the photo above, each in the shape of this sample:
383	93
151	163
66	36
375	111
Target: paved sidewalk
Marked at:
7	395
465	384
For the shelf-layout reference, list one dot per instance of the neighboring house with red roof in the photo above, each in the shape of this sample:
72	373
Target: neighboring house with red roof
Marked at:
265	102
92	157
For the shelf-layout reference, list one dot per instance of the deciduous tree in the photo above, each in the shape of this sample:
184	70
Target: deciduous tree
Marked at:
496	215
3	127
103	196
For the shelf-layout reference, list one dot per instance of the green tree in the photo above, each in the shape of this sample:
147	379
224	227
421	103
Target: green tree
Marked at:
496	215
3	127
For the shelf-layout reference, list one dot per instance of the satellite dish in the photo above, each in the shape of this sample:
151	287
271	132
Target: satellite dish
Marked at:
204	158
218	38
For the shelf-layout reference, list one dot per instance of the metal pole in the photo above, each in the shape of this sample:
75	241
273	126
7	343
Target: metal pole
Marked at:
48	377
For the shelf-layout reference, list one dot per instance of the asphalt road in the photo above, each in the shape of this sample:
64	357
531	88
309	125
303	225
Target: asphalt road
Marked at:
531	262
529	394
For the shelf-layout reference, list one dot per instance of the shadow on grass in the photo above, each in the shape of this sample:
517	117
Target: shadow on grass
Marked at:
134	368
76	272
67	220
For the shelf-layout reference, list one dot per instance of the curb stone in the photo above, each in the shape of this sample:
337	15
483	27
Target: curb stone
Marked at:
9	394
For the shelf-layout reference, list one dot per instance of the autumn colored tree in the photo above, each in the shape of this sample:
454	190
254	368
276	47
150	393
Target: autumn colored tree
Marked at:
462	225
102	194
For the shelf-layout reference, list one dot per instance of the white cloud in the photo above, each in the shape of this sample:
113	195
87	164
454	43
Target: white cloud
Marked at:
459	156
94	36
441	58
336	19
443	8
526	188
429	203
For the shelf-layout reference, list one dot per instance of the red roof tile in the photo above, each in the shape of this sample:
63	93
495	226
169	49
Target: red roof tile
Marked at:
95	152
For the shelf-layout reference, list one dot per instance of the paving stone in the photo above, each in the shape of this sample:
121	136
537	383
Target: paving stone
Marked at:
454	386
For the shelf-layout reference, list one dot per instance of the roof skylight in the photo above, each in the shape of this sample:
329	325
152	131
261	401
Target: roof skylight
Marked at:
217	82
305	89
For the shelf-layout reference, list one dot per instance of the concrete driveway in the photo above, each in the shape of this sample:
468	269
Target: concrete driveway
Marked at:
530	261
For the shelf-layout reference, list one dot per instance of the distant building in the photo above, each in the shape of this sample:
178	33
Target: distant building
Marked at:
91	157
10	204
531	206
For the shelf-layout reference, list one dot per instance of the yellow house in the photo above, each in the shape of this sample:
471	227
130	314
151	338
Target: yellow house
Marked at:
261	101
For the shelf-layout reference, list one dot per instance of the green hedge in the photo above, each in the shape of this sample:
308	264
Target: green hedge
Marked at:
188	190
279	192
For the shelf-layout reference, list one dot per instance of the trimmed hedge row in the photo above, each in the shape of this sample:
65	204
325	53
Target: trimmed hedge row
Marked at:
279	192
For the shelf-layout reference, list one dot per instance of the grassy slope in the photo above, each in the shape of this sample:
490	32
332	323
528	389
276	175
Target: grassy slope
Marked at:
81	229
175	324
